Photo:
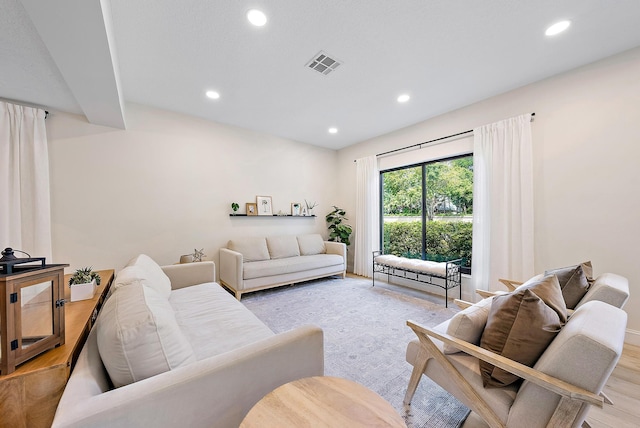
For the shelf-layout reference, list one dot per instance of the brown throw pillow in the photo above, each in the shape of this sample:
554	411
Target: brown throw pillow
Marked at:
573	282
520	327
549	290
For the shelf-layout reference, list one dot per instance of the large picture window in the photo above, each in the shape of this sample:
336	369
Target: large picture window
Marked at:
427	210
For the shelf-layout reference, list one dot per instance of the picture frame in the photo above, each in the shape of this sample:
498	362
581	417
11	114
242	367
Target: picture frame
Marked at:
296	209
264	205
251	208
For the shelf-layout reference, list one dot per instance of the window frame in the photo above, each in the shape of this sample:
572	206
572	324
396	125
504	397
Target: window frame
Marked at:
423	165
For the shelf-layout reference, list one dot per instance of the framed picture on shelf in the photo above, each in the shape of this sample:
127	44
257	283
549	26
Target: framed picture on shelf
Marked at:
252	208
295	209
264	205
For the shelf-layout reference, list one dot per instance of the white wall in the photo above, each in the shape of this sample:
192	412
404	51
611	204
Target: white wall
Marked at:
586	137
165	186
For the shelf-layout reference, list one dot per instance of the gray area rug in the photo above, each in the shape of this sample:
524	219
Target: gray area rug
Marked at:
366	336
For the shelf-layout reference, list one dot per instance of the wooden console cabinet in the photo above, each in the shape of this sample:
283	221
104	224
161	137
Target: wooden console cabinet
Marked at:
29	396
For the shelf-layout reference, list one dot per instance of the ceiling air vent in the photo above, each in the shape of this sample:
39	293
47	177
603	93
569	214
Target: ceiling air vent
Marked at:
323	63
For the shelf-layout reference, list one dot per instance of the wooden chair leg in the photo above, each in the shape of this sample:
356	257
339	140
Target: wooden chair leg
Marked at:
418	369
565	413
477	403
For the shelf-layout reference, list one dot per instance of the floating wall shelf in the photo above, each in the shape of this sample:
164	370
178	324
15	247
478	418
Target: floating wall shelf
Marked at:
272	216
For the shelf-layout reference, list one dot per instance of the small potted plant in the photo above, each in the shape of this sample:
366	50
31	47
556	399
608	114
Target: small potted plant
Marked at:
83	284
235	207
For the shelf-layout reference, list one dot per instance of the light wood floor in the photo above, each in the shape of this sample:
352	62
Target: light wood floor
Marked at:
623	388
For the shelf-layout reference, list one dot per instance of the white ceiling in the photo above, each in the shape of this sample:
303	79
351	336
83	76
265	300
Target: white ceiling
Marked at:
91	57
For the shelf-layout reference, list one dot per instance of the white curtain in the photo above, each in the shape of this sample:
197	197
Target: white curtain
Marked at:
502	203
367	215
25	214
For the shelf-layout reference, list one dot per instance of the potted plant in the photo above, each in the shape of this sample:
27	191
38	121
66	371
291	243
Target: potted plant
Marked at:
338	232
83	284
234	207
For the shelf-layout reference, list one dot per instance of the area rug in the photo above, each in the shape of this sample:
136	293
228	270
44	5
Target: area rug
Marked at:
366	337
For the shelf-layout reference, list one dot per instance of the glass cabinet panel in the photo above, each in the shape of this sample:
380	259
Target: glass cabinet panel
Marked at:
37	312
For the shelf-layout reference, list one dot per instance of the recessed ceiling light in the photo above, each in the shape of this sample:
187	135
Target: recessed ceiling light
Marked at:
333	130
403	98
213	95
557	28
257	17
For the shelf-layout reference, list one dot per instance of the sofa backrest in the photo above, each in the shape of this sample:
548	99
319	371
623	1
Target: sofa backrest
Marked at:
584	354
278	247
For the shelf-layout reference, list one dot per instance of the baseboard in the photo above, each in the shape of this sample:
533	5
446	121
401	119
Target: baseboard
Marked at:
632	337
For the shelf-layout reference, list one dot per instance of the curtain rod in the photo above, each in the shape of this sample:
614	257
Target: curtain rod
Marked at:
432	141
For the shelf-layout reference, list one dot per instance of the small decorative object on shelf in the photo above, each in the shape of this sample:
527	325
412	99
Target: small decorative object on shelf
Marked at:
264	204
234	207
83	284
252	208
310	206
187	258
295	208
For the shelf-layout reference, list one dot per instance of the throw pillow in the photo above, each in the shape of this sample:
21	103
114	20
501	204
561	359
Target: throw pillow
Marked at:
282	247
573	282
252	249
139	337
311	244
547	287
157	279
468	324
520	327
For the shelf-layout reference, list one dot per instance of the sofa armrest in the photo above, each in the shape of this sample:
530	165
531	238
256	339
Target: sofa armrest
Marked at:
215	392
187	274
609	288
338	248
231	268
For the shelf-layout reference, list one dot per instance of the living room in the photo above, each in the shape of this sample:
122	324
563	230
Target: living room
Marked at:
164	185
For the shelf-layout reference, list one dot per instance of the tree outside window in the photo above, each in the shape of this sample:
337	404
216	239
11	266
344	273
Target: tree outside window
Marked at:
428	210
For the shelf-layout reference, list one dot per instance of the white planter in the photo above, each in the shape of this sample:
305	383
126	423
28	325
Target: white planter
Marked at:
83	291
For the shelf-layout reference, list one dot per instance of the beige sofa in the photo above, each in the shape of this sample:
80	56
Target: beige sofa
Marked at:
172	348
251	264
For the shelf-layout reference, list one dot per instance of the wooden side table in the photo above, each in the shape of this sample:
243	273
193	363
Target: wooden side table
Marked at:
29	396
320	402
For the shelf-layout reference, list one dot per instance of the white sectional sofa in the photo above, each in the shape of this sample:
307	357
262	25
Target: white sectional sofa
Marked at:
251	264
172	348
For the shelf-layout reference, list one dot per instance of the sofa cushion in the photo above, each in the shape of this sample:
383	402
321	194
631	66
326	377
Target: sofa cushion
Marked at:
252	249
155	277
213	321
520	326
290	265
468	324
138	336
573	282
281	247
311	245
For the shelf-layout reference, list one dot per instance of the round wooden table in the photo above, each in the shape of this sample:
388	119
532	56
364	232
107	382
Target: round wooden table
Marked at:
322	401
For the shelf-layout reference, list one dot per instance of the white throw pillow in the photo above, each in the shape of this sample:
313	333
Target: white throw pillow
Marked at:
252	249
468	324
138	336
311	245
281	247
155	276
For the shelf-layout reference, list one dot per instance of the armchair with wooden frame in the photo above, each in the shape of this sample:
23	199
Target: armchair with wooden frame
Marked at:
556	392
